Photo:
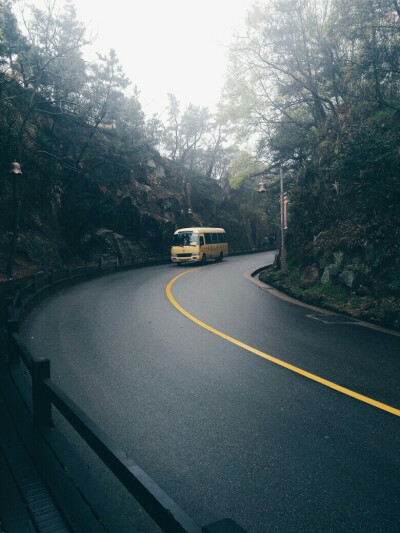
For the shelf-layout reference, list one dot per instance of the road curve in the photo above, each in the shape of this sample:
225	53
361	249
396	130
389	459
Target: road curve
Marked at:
223	431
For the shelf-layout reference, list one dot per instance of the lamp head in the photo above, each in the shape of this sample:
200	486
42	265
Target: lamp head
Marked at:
261	187
15	168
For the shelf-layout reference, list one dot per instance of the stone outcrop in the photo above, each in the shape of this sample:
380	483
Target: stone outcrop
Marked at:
106	245
309	277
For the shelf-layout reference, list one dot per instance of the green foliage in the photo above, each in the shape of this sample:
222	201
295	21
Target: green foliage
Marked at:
335	293
244	167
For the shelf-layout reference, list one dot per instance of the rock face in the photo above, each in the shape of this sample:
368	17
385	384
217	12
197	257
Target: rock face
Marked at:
354	271
129	215
106	245
332	269
309	277
132	220
139	217
350	270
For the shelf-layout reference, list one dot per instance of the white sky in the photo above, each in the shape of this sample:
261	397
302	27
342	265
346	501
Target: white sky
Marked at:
167	46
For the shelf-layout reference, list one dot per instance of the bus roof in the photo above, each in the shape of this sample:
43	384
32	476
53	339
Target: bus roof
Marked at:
200	229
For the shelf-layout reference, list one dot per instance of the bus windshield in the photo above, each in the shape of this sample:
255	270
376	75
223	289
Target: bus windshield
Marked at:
185	239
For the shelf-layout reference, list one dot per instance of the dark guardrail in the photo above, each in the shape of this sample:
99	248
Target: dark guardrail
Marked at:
45	394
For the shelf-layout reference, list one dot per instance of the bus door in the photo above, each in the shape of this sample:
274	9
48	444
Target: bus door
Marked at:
207	247
202	248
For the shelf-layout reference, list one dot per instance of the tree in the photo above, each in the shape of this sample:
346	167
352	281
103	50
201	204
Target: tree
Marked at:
13	46
54	66
103	98
278	70
184	134
368	50
44	72
193	129
197	140
12	43
155	131
172	141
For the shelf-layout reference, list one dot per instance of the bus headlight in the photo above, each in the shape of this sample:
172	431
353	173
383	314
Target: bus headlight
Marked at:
195	256
174	256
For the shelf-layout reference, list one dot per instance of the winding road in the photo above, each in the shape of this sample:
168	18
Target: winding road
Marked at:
236	402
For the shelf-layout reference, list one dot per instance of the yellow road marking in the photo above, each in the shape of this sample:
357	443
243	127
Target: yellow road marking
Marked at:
279	362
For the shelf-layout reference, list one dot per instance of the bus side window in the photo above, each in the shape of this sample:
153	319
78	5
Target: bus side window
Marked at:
201	240
208	238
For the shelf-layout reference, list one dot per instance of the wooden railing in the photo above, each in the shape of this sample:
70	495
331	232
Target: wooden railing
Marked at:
46	395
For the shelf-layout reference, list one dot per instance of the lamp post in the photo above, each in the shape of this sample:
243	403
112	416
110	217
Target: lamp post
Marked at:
15	170
262	189
283	249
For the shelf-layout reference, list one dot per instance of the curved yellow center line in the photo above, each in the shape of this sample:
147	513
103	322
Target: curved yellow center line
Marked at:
279	362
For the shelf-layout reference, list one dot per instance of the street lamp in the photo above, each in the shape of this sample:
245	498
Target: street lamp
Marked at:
15	170
262	189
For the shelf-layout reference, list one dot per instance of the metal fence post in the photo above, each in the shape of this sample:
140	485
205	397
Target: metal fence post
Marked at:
8	303
18	288
12	351
3	346
40	399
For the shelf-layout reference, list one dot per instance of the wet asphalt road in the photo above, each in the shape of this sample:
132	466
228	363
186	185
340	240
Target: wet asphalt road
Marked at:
223	431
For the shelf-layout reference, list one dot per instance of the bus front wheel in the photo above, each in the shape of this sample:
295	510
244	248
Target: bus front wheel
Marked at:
204	259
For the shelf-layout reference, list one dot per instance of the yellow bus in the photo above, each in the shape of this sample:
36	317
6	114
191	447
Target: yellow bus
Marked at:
197	245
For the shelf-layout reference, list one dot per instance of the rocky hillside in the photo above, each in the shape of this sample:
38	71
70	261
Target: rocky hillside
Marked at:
131	217
341	272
